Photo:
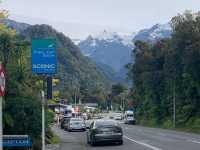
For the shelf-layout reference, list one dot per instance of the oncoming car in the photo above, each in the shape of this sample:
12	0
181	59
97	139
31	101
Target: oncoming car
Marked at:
104	131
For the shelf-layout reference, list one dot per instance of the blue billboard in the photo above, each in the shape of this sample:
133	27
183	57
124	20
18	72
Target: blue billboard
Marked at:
17	141
44	56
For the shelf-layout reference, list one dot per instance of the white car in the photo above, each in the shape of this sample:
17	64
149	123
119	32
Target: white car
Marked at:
76	124
118	116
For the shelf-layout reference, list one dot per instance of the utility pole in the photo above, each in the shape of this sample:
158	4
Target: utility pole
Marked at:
43	119
174	107
75	99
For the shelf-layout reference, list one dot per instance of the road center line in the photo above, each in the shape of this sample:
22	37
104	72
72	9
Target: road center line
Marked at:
141	143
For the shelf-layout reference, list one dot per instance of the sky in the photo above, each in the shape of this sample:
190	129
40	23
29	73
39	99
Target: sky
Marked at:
79	18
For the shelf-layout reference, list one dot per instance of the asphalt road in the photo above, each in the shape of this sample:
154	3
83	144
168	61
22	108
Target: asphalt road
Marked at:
135	138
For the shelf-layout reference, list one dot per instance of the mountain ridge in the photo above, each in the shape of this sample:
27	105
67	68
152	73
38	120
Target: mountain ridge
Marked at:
72	65
115	50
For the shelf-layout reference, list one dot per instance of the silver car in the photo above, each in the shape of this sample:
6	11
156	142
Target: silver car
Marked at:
76	124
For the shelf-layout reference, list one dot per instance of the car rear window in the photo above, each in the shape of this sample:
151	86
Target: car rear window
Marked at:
105	124
76	119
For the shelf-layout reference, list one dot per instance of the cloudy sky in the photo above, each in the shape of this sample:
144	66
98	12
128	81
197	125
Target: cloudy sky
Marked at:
78	18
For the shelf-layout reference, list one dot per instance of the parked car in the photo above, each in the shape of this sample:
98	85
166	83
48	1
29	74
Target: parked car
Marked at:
104	131
76	124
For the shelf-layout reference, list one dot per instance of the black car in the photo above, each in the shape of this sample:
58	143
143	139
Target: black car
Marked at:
104	131
64	123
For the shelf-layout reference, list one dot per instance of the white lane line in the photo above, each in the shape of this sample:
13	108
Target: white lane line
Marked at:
193	141
141	143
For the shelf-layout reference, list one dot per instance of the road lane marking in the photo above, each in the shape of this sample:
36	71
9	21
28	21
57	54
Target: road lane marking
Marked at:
141	143
193	141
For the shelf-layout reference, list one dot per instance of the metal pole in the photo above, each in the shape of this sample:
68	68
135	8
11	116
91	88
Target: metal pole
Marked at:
1	124
174	108
75	101
43	120
123	105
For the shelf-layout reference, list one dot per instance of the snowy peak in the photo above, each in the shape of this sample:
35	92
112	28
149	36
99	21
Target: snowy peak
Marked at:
154	33
110	37
105	35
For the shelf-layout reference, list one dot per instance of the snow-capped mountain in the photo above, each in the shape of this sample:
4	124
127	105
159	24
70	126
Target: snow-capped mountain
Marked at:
108	48
125	39
114	49
158	31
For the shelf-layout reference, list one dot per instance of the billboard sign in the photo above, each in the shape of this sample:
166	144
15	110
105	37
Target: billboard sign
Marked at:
44	56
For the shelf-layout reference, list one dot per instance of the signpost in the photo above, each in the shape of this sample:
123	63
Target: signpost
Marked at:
44	63
2	93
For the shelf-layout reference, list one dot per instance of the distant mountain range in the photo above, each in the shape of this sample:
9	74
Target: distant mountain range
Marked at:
115	49
110	51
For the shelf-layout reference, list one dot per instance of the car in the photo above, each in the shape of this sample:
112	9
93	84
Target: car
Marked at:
118	116
85	116
129	117
102	131
88	123
76	124
111	117
64	123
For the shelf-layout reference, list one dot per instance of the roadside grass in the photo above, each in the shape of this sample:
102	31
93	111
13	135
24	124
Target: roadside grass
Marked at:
51	137
54	139
192	126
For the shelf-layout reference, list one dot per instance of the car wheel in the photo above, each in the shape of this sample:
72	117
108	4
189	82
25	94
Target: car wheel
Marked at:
121	142
88	142
93	143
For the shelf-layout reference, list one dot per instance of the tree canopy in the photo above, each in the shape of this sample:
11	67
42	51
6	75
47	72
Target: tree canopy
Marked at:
167	69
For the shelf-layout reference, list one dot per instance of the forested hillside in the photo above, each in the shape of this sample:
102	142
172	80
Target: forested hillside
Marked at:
21	104
168	71
74	69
